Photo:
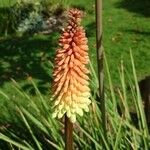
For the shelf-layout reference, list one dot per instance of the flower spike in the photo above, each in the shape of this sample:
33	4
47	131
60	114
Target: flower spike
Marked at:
70	87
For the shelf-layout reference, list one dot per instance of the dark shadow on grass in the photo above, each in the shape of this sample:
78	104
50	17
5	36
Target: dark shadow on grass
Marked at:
141	7
144	86
27	56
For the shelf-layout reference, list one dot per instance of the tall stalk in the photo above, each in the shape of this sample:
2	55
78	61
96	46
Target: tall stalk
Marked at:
100	98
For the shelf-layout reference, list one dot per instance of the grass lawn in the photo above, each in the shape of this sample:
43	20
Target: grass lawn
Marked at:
124	28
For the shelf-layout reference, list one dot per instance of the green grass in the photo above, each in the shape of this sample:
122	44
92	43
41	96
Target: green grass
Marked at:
6	3
124	28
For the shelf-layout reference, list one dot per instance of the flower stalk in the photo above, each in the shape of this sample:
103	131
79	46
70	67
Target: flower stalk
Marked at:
71	92
68	134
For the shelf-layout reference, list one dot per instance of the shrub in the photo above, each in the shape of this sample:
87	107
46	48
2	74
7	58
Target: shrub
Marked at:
28	16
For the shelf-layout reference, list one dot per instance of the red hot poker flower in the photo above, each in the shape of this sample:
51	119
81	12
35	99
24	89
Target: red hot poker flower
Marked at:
70	88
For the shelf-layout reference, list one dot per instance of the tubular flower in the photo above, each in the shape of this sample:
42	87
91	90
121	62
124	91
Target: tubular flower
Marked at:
70	87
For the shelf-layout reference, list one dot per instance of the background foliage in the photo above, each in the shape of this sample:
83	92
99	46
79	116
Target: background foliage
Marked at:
25	117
